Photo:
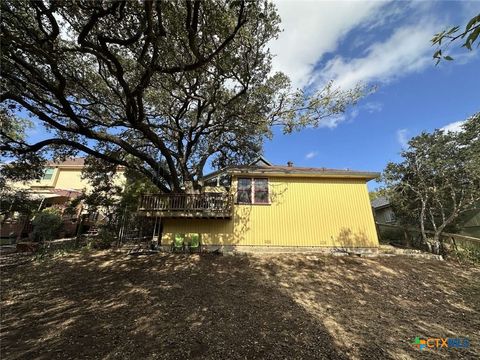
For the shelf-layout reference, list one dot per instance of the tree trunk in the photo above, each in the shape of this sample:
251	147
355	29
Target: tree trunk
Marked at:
22	227
422	225
407	238
436	242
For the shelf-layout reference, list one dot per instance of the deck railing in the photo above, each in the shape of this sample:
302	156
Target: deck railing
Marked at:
188	205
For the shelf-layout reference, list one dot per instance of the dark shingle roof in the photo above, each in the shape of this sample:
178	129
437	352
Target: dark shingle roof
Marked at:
379	202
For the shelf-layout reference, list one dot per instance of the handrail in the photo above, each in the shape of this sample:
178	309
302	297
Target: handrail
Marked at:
204	202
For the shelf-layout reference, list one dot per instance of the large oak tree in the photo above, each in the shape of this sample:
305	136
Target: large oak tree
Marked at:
159	87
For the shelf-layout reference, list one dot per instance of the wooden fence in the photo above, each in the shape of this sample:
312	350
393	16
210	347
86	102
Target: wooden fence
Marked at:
411	235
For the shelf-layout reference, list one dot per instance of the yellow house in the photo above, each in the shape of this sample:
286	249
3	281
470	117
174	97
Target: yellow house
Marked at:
62	179
275	208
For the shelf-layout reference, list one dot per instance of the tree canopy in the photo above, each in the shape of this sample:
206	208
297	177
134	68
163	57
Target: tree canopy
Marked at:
438	178
161	88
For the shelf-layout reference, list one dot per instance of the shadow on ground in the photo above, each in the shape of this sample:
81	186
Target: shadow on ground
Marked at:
106	305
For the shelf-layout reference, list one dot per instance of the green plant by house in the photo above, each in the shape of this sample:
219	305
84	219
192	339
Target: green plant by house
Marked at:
46	225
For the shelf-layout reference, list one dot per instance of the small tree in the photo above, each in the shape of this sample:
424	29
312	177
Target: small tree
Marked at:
438	179
117	202
46	225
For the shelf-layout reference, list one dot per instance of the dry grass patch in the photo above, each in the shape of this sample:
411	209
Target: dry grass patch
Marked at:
110	306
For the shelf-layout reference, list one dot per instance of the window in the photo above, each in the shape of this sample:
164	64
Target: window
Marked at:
261	191
47	175
244	192
390	216
252	191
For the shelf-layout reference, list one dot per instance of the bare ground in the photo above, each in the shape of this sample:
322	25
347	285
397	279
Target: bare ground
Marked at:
107	305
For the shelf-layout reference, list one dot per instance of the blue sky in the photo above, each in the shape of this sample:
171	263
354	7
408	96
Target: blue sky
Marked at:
377	42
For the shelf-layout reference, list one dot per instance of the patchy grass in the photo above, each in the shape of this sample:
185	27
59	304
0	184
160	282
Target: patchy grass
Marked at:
106	305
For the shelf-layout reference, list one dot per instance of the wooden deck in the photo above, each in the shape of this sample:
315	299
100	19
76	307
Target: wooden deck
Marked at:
205	205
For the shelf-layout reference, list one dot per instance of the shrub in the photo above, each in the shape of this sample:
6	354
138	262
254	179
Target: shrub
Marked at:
46	225
104	240
466	255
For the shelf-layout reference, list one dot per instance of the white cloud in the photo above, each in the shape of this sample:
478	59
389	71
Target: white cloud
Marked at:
406	50
313	28
311	155
402	137
354	113
454	126
332	121
373	107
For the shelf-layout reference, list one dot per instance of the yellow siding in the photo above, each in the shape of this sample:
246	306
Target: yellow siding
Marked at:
70	179
303	212
67	178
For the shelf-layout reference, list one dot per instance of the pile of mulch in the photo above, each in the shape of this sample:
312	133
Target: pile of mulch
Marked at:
107	305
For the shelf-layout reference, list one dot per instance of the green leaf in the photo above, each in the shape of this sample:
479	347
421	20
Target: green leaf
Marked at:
467	45
449	58
472	22
473	37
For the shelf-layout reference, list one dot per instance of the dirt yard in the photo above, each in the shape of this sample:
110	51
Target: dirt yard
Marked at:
107	305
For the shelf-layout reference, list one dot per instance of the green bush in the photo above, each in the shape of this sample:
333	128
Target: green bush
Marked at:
467	254
389	234
46	225
104	240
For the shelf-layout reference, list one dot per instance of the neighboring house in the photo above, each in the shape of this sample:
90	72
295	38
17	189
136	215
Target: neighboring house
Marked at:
383	211
265	207
63	179
468	224
61	183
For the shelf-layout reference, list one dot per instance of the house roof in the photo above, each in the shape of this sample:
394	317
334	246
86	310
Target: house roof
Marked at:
54	193
261	161
380	202
293	171
68	162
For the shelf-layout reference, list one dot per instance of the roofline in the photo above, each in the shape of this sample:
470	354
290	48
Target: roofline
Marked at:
262	159
292	173
75	166
382	206
65	166
323	174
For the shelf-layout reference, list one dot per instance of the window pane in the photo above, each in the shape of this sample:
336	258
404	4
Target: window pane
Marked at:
261	191
261	197
244	184
47	175
261	184
244	196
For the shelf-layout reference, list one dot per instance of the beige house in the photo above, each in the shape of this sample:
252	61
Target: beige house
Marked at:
65	175
61	183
